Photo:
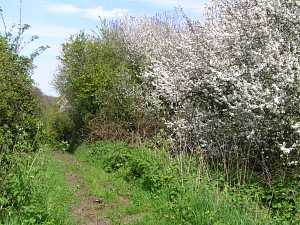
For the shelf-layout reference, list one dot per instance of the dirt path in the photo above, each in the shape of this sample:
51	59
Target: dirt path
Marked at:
89	209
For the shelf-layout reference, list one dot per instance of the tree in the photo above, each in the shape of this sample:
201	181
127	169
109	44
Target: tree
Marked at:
230	84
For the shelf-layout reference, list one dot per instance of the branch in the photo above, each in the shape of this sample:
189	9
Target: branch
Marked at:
3	22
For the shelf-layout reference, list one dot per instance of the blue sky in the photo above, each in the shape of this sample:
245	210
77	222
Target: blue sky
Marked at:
54	21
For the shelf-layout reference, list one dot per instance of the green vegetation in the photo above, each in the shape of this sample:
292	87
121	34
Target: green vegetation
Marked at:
38	193
100	89
139	156
31	183
161	189
19	126
18	105
105	97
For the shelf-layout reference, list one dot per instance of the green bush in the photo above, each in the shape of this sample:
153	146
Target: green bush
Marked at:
19	197
101	88
62	127
25	185
19	111
282	198
148	169
20	128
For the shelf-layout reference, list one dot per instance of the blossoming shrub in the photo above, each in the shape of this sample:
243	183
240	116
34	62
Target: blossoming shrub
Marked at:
229	85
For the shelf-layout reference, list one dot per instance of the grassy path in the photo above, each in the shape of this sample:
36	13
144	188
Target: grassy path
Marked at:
100	199
116	184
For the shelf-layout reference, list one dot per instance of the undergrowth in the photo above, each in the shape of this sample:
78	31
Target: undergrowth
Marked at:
174	190
36	193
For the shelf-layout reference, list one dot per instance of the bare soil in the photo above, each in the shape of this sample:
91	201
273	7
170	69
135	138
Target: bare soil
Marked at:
86	208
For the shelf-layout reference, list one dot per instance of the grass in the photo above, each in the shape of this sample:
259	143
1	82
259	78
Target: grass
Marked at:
161	190
48	199
116	192
137	185
58	193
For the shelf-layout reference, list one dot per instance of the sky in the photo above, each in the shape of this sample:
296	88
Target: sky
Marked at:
54	21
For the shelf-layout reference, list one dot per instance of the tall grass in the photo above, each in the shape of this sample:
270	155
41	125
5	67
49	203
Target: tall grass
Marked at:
40	186
174	190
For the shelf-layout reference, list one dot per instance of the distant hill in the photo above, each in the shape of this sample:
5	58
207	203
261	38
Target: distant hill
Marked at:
46	100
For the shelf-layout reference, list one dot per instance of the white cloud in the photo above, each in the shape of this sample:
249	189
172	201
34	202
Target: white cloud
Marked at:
100	12
63	8
91	13
194	5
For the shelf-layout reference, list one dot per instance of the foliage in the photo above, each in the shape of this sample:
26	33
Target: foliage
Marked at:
173	189
228	85
19	124
18	106
27	184
227	89
20	129
99	86
36	193
283	199
61	126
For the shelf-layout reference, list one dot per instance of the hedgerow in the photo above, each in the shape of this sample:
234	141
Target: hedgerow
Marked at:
230	84
226	87
101	88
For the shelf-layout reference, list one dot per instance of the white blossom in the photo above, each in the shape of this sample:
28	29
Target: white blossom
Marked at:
239	70
285	150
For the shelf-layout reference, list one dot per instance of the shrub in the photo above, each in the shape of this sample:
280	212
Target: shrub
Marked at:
20	114
137	164
18	106
61	126
229	85
20	127
101	87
